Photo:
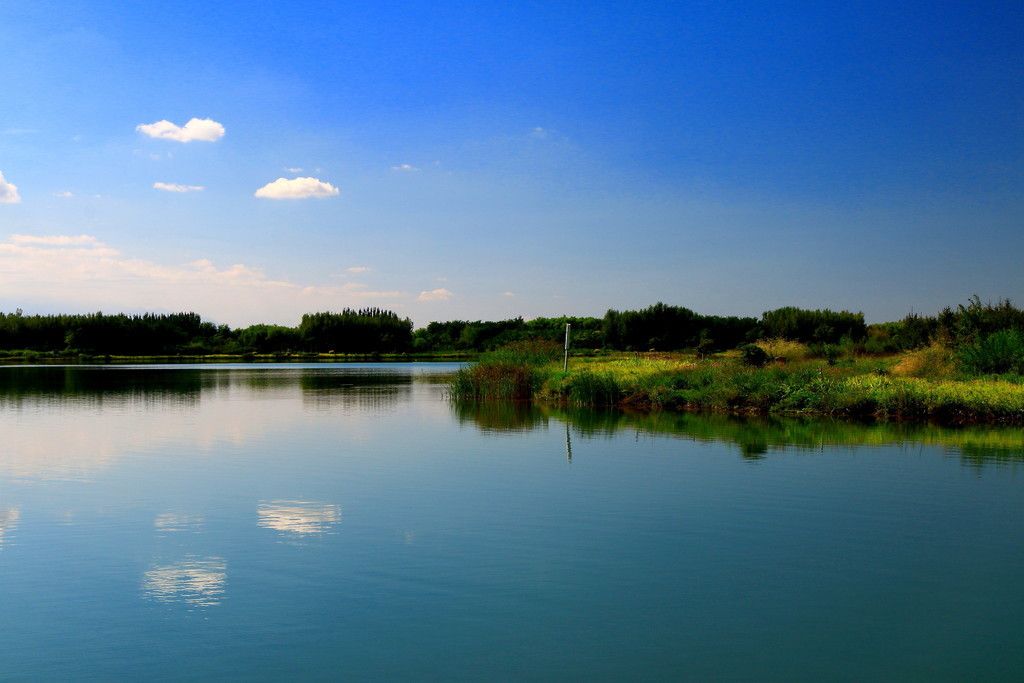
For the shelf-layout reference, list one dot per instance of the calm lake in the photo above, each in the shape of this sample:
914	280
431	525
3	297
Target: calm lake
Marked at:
346	521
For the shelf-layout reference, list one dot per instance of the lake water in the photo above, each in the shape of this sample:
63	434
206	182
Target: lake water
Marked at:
330	521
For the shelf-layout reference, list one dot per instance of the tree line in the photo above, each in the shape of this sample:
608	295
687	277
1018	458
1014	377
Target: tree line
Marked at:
660	327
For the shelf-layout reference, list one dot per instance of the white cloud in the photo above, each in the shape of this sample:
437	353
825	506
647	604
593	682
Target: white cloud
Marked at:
539	133
404	168
206	130
508	294
297	188
174	187
80	272
439	294
65	194
356	270
294	169
8	191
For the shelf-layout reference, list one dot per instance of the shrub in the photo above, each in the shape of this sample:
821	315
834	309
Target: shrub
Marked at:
813	326
999	352
831	353
754	355
974	322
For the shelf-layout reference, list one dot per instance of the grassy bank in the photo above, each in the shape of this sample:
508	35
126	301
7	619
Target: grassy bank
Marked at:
919	386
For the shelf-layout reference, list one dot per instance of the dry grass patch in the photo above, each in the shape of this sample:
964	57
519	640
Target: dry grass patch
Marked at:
788	351
935	361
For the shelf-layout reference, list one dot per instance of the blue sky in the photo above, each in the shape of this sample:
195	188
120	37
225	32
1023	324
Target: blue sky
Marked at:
497	159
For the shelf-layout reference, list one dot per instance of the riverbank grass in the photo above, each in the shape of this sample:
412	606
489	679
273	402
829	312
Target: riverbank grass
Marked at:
864	387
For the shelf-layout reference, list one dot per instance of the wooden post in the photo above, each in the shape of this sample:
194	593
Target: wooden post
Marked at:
565	363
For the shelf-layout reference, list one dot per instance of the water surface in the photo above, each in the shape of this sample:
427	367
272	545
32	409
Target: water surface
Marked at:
327	521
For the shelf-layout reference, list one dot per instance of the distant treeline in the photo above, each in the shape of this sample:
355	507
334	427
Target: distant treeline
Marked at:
659	327
370	330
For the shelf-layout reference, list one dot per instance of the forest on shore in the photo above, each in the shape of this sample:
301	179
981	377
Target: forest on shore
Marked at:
993	332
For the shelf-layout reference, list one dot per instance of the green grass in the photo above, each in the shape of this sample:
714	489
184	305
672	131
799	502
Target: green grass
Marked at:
852	388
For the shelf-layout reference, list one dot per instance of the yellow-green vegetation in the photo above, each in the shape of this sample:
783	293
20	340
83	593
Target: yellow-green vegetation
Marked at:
935	361
921	385
784	350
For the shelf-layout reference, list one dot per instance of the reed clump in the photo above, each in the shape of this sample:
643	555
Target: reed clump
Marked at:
494	381
512	373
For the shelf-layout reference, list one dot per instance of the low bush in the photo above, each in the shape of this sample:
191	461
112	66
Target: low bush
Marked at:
998	353
754	356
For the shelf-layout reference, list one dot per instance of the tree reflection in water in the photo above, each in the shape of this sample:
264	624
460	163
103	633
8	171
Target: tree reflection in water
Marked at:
754	437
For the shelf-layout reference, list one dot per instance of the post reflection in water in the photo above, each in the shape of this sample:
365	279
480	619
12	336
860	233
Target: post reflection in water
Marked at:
8	523
195	582
298	516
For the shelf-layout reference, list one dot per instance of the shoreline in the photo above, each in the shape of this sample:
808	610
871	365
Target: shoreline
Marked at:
42	358
863	389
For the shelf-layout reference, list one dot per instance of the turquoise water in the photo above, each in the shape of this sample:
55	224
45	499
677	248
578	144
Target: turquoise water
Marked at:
269	522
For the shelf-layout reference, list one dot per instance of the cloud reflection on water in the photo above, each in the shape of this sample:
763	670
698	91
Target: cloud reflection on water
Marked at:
195	582
8	523
298	517
172	522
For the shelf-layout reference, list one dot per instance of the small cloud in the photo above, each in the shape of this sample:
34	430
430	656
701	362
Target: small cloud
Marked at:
508	294
356	270
440	294
8	191
174	187
294	169
539	133
404	168
205	130
297	188
19	131
66	194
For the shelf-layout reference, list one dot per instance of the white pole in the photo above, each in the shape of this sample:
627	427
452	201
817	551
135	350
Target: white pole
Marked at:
565	362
